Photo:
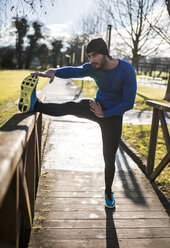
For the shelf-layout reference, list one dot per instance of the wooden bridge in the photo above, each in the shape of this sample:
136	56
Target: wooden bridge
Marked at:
69	209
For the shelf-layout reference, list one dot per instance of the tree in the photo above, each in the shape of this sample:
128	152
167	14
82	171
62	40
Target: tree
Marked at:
167	2
22	8
129	19
74	50
33	38
162	27
90	25
42	52
167	95
21	30
56	52
7	58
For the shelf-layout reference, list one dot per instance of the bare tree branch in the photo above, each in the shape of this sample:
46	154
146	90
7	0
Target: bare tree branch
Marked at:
19	8
162	30
135	22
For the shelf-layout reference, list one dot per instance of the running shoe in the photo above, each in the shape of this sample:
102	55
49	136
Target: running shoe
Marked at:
28	94
109	200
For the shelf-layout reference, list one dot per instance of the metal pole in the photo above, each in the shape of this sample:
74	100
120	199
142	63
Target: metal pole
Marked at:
73	58
82	54
108	36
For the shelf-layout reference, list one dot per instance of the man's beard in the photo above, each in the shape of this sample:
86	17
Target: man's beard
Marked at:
101	64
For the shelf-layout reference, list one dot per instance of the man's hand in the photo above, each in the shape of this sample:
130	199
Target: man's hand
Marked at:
50	73
96	108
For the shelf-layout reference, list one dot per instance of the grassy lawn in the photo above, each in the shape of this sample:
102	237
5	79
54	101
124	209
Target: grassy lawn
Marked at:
89	88
138	135
10	81
143	93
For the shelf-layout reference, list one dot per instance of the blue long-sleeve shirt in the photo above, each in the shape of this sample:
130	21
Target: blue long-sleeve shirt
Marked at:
116	87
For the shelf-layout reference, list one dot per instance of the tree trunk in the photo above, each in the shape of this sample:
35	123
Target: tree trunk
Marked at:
135	61
167	95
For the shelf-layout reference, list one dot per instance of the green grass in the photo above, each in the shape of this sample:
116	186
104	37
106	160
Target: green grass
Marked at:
10	81
138	135
143	93
89	87
154	74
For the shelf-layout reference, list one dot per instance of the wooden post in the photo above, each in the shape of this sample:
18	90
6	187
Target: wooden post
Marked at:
9	215
19	173
164	129
160	167
31	169
153	142
158	114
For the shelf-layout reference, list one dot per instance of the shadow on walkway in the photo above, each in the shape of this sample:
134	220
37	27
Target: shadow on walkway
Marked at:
111	234
133	185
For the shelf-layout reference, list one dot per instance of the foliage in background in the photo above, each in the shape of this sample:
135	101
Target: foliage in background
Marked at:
143	93
21	8
10	82
138	137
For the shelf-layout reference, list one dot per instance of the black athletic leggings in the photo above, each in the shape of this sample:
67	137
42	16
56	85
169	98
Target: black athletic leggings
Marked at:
111	128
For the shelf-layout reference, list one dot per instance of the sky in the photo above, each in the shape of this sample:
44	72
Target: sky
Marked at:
62	19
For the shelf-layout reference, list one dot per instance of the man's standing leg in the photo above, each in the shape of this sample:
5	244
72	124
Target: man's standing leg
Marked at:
111	133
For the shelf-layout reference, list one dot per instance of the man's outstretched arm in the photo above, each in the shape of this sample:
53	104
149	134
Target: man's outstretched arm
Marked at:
50	73
65	72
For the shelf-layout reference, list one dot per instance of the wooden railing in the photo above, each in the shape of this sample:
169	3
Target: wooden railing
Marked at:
20	149
159	110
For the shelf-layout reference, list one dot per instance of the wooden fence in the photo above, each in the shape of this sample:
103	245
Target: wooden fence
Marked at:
159	110
20	149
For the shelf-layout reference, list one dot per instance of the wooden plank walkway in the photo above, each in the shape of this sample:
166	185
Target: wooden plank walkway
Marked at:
70	212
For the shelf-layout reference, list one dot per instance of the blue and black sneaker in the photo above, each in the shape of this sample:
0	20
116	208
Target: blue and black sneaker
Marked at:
109	200
28	94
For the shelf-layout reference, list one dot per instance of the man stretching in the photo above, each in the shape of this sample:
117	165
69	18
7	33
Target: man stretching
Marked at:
116	82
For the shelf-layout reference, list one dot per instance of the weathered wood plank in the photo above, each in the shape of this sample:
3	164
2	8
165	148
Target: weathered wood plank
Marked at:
104	243
15	134
94	194
158	114
152	142
160	167
46	206
57	175
159	105
165	130
121	186
70	212
116	189
99	179
15	158
97	223
112	233
119	201
9	216
89	215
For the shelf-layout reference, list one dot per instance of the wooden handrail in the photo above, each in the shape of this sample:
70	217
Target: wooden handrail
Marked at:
20	150
159	105
158	115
